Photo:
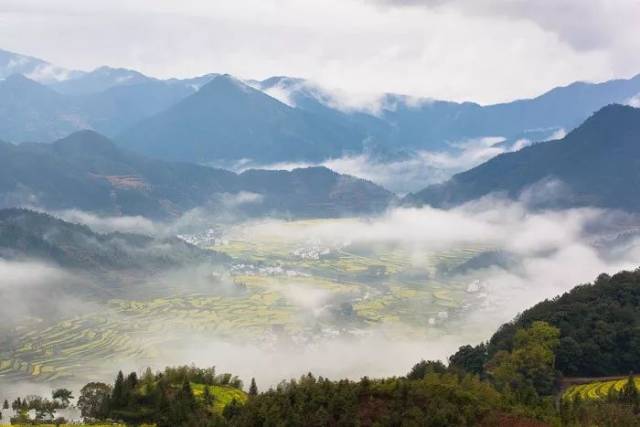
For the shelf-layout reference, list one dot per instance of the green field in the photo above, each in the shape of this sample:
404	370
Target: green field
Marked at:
299	286
596	390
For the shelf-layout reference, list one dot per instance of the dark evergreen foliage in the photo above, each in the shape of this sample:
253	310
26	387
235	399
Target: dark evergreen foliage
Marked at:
599	326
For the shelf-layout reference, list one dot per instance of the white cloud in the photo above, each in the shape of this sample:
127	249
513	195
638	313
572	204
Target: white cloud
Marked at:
634	101
108	224
409	173
356	46
585	25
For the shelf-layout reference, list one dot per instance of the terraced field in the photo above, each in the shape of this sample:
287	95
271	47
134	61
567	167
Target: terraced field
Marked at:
282	283
596	390
223	395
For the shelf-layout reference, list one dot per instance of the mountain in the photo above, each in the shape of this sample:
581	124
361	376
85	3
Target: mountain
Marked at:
29	235
87	171
229	120
34	68
122	106
215	118
427	124
594	165
30	111
99	80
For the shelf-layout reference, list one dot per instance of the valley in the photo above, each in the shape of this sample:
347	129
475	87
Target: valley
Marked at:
320	213
275	291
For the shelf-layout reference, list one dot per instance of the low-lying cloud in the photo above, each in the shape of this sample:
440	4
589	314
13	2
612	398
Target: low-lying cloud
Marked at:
549	252
410	172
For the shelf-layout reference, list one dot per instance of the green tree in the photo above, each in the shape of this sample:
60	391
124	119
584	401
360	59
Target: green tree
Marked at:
207	397
629	393
232	409
470	359
93	401
253	388
62	395
529	369
424	367
118	395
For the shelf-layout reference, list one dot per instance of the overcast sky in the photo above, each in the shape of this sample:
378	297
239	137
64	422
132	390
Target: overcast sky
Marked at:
481	50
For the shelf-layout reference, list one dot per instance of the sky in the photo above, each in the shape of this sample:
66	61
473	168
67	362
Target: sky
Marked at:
481	50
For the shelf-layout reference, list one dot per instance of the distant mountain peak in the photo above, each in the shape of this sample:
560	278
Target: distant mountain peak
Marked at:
596	165
607	122
86	141
227	82
34	68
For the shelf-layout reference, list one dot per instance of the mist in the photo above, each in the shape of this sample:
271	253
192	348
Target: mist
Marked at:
410	172
275	312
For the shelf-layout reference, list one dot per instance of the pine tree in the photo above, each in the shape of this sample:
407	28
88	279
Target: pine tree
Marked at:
187	396
118	394
5	405
253	389
629	393
231	410
207	396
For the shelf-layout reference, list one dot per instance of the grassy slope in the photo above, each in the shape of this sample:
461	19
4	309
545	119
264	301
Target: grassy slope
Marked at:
222	395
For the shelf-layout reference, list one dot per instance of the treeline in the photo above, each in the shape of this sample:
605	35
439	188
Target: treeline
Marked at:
164	398
514	379
43	409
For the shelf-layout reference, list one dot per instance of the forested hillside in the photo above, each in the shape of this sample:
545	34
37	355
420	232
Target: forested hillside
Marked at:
87	171
599	325
594	165
27	235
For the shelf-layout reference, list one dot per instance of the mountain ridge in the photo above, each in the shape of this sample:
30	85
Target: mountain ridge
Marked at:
87	171
594	166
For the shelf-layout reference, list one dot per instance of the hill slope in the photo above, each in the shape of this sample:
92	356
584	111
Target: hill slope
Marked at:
30	111
29	235
596	164
227	119
34	68
599	326
87	171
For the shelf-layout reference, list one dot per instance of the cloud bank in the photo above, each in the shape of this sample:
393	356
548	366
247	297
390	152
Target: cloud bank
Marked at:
360	46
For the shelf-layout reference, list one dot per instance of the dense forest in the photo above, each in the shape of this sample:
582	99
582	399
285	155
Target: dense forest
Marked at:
599	325
514	379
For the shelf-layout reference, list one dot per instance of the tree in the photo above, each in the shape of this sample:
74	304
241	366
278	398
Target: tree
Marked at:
207	396
529	369
62	395
5	405
232	409
94	400
470	359
253	388
629	393
424	367
16	405
118	397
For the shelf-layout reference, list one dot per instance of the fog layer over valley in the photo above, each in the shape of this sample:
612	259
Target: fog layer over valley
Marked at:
272	298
